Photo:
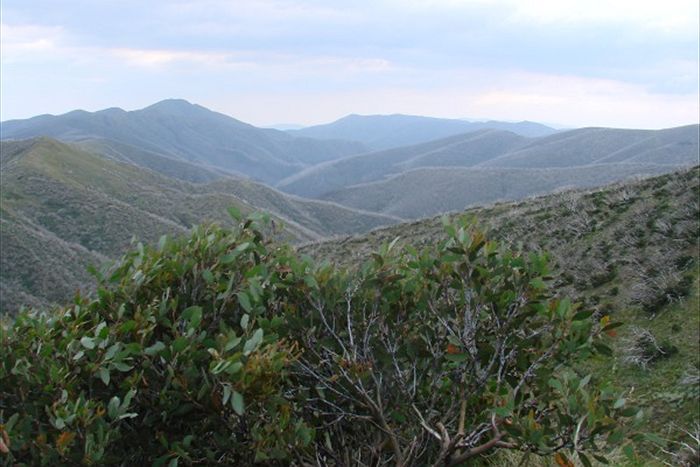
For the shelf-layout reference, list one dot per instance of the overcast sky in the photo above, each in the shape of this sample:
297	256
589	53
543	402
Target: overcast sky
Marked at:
623	63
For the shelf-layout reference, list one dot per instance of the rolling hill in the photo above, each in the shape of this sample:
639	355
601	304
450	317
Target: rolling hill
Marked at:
390	131
426	192
629	251
585	146
64	208
457	166
462	150
179	130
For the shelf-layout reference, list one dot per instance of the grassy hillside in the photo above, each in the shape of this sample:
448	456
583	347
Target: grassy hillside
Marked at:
605	147
463	150
390	131
629	251
426	192
68	206
168	166
180	130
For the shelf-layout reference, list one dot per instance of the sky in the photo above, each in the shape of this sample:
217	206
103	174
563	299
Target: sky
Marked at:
620	63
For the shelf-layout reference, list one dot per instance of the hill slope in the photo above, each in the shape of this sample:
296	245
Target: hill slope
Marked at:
390	131
62	205
180	130
599	155
630	251
462	150
426	192
605	146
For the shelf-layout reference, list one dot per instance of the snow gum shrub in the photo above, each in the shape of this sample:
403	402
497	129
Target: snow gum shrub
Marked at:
177	360
227	348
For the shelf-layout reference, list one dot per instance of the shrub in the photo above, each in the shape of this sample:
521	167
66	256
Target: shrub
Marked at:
641	348
226	348
167	364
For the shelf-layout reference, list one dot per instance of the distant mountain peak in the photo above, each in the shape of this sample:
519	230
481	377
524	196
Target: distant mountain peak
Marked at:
172	105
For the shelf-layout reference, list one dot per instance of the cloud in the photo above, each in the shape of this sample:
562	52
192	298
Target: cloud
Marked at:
480	93
669	16
158	58
25	42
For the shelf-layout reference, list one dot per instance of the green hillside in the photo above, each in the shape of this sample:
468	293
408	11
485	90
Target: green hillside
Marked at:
612	150
62	205
629	251
426	192
461	150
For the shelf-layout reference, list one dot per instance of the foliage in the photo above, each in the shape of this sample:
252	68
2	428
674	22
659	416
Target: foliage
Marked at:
227	348
166	365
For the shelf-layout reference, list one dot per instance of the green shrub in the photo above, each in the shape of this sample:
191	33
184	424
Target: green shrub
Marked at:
168	364
226	348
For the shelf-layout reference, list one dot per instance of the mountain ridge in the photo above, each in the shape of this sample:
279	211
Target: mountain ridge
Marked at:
190	132
53	190
498	150
382	132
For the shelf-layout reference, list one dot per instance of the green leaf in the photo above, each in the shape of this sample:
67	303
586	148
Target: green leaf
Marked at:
241	248
232	343
237	402
123	367
629	412
226	259
208	276
154	349
612	326
88	342
234	368
556	384
104	376
502	411
244	301
227	394
581	315
193	315
563	307
619	403
584	460
584	381
244	321
179	344
113	407
603	349
252	343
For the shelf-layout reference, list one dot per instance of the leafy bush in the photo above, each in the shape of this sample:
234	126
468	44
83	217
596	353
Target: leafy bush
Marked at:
166	364
226	348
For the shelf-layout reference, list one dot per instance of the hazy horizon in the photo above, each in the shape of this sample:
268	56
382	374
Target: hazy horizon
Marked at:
271	62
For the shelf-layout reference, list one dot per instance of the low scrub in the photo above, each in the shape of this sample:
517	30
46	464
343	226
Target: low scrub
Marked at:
227	348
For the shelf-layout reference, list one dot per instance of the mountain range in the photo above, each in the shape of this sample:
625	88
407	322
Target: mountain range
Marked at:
491	165
77	187
187	132
391	131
